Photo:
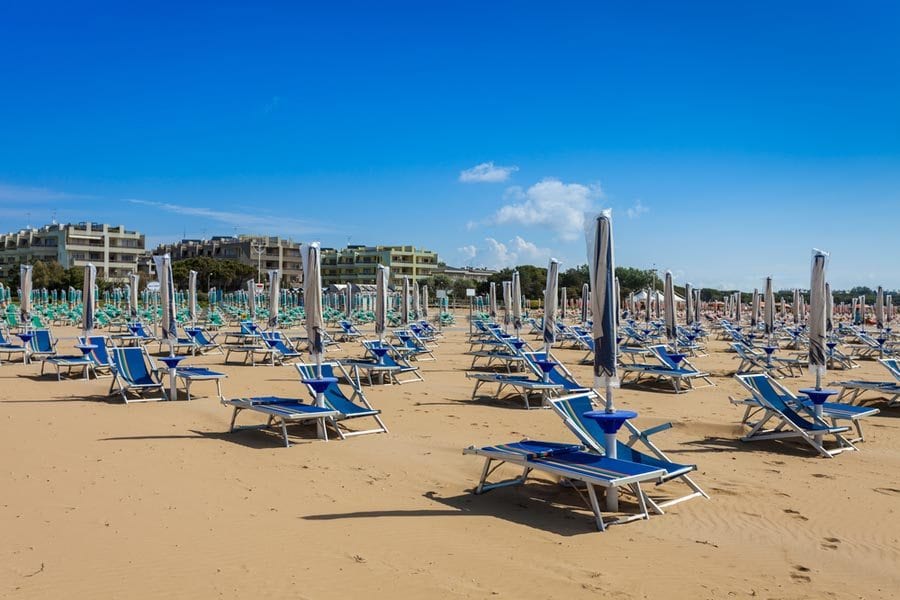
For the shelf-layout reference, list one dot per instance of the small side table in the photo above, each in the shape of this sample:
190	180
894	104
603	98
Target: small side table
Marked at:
171	363
610	423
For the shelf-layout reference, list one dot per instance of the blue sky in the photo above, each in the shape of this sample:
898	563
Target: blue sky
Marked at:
729	138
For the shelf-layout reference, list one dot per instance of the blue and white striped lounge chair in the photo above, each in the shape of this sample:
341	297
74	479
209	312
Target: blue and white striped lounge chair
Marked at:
758	362
140	333
569	462
394	364
349	331
42	345
665	370
100	357
279	350
281	411
413	346
852	391
356	406
9	349
134	372
790	420
202	341
571	409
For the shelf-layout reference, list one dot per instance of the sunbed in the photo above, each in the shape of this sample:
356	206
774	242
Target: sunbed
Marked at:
281	411
356	406
134	372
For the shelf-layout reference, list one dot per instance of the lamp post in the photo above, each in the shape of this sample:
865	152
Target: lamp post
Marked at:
258	246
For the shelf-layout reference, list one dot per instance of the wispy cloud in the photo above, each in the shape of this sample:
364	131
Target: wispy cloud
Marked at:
250	222
550	204
487	172
24	193
496	254
637	210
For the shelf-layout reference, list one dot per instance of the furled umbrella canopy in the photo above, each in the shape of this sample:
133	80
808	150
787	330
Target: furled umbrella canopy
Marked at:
817	320
251	299
417	310
516	302
769	315
601	269
274	296
167	299
404	302
754	309
25	294
671	325
563	303
87	312
312	296
192	296
135	281
879	308
689	304
829	309
492	300
585	302
550	295
507	303
425	300
382	277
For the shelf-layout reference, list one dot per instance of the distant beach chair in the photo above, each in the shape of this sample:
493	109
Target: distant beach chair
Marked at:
100	357
134	372
570	462
571	409
356	406
852	390
42	345
791	418
666	370
349	331
202	341
8	349
280	411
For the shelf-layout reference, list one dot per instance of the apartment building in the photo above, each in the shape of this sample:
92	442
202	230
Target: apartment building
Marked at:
262	252
114	250
357	264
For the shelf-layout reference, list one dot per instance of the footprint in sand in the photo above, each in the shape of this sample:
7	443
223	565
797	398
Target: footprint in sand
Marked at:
823	476
795	514
888	491
799	574
830	543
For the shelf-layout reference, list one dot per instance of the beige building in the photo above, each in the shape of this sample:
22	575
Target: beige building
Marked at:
262	252
357	264
475	274
113	250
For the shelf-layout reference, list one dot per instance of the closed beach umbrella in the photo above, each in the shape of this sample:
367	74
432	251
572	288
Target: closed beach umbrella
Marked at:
192	296
697	307
737	308
671	326
382	277
829	309
348	301
601	269
754	309
769	315
492	296
585	302
796	306
550	294
890	308
404	303
688	304
274	296
817	319
854	315
415	297
25	294
862	311
563	302
87	312
135	281
167	299
516	302
251	299
425	300
647	315
879	308
507	303
312	297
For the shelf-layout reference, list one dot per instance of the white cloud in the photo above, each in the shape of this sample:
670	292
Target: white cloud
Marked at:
487	172
550	203
246	222
23	193
496	254
637	210
468	252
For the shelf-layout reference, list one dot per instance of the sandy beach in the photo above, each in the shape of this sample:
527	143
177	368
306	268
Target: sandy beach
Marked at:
157	500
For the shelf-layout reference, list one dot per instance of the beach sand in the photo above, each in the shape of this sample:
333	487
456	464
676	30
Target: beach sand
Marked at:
153	500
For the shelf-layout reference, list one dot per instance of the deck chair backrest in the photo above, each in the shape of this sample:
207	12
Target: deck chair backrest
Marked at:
42	341
557	375
767	394
659	351
892	365
571	408
131	364
100	354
